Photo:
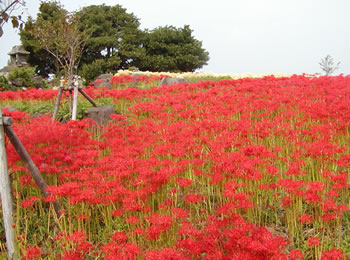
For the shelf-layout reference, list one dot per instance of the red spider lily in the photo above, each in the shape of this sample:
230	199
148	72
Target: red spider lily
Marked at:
32	252
132	220
180	213
306	219
295	254
333	254
120	237
313	241
166	254
30	202
183	182
192	170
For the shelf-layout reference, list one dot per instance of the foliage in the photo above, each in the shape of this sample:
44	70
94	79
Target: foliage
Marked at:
328	66
39	57
172	49
6	8
4	84
114	42
22	76
61	38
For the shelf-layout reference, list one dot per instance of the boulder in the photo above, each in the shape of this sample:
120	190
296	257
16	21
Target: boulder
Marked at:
103	80
100	114
171	81
9	108
35	115
38	82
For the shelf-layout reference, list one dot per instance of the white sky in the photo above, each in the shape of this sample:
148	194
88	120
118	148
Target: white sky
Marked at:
241	36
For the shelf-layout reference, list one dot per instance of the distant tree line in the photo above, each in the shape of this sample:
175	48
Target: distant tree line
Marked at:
110	39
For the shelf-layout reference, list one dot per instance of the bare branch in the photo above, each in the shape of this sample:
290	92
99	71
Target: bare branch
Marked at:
328	66
6	8
63	40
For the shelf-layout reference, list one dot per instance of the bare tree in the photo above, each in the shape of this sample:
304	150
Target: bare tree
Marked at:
6	9
63	39
328	66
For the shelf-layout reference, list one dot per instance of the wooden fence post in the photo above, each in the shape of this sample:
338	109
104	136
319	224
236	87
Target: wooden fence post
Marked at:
57	105
6	199
75	100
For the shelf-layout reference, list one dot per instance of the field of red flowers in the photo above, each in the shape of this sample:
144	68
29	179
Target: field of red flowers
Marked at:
234	169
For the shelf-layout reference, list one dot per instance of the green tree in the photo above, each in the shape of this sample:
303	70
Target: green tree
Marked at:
115	41
172	49
61	38
6	9
39	57
22	76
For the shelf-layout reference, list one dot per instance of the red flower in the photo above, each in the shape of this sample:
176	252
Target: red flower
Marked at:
305	219
334	254
132	220
194	198
295	254
183	182
120	237
313	241
32	252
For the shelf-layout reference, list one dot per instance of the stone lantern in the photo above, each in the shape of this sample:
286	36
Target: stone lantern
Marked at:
18	56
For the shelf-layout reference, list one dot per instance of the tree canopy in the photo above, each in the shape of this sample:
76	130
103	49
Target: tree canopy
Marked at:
172	49
117	42
39	57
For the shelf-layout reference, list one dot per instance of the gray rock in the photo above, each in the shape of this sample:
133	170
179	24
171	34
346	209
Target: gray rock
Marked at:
39	82
105	77
171	81
100	114
35	115
10	109
103	80
136	75
16	83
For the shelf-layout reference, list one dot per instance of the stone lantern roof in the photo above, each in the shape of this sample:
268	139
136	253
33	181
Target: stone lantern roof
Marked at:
18	49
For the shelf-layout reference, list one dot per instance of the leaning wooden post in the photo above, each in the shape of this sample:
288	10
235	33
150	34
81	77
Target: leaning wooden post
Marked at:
75	100
6	199
29	164
58	100
87	97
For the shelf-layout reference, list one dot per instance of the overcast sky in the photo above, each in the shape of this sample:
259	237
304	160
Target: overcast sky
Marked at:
241	36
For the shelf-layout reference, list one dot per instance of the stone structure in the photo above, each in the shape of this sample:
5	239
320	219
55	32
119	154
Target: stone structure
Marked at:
103	80
18	58
171	81
100	114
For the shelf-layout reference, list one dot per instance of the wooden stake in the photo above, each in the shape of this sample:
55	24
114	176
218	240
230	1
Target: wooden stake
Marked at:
70	101
57	105
6	199
75	102
87	97
29	164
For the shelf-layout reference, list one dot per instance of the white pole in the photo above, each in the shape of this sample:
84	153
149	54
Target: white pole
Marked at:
75	100
5	189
